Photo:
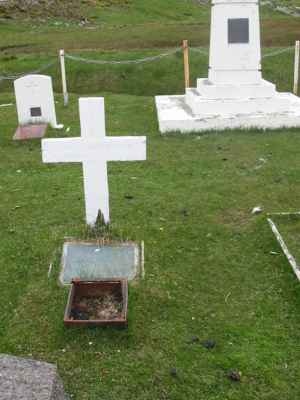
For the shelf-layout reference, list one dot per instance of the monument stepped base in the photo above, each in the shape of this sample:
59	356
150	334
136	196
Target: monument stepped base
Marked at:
176	114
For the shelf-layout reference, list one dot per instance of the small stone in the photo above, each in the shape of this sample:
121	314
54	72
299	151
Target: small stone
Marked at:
194	339
257	210
274	253
234	375
185	212
209	344
78	315
29	379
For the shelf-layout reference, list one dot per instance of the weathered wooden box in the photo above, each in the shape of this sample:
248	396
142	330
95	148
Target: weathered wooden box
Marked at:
97	303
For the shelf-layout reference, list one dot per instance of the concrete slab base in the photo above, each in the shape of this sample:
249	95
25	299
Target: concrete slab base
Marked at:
30	132
92	260
174	115
210	90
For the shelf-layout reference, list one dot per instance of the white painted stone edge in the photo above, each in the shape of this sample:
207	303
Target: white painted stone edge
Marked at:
284	213
284	247
142	259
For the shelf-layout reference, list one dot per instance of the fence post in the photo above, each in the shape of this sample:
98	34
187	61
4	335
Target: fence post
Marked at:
185	47
296	71
64	77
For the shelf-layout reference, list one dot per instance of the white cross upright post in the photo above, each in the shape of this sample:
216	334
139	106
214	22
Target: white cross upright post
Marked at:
94	149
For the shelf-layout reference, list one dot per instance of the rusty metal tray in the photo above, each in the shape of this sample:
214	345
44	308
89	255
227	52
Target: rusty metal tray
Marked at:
96	289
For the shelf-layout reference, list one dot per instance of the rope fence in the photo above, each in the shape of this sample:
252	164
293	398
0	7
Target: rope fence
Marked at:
278	52
185	49
124	62
19	75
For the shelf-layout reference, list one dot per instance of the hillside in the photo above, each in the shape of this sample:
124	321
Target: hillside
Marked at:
94	9
54	8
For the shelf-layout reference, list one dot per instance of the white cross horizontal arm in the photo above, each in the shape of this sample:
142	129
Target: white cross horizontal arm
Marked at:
81	149
62	150
127	148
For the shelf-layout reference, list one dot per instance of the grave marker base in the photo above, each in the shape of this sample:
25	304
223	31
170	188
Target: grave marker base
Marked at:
175	115
30	132
94	260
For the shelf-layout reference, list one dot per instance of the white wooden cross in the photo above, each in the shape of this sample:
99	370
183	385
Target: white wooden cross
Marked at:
94	149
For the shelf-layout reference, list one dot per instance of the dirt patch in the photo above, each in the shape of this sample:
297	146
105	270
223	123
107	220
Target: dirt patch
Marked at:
67	9
106	307
234	218
280	32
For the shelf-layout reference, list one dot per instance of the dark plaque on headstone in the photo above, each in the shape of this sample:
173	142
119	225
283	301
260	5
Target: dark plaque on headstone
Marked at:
238	30
36	112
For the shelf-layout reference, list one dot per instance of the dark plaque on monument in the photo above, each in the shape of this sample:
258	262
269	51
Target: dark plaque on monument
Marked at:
238	30
36	112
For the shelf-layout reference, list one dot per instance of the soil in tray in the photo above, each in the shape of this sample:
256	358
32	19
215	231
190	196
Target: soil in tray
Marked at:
105	307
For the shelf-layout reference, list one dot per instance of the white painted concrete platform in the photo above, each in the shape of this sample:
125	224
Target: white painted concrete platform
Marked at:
234	95
174	115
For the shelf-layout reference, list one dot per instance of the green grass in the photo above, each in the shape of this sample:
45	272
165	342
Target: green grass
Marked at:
209	271
164	76
208	274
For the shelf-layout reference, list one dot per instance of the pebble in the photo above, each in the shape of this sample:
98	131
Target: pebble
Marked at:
173	372
209	344
185	212
194	339
257	210
234	375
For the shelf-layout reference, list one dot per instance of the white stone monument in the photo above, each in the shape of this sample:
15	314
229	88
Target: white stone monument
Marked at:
35	105
94	149
234	95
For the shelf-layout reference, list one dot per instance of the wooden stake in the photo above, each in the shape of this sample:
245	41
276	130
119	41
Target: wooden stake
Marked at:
296	72
185	47
64	77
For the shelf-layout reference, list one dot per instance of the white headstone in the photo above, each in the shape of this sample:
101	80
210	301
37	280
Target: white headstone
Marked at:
235	95
94	149
235	52
35	101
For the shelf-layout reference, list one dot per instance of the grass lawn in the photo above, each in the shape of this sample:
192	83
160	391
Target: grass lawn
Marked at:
209	271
